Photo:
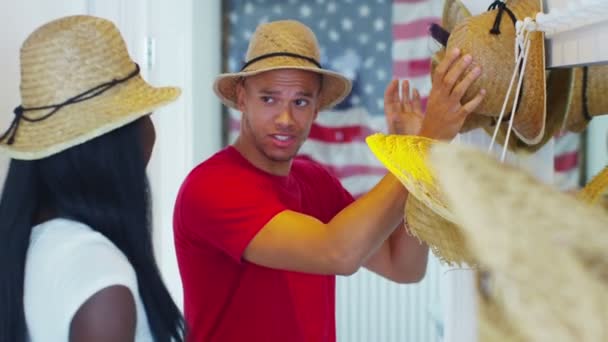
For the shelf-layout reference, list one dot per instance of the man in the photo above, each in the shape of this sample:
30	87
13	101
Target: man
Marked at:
260	233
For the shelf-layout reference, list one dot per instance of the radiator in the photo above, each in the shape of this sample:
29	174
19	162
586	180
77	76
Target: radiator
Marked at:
370	308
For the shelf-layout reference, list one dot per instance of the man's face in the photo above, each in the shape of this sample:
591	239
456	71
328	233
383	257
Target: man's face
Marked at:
278	109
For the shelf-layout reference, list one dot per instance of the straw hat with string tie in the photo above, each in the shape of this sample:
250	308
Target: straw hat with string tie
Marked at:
77	83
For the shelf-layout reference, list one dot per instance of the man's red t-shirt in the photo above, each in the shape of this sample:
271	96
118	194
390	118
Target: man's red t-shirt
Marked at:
221	206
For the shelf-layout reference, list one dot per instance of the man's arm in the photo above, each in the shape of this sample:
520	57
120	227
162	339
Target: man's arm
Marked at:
298	242
402	258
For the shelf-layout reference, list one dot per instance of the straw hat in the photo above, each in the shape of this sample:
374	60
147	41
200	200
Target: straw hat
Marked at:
495	54
559	93
547	248
595	92
79	68
593	191
454	12
443	237
405	156
425	212
284	44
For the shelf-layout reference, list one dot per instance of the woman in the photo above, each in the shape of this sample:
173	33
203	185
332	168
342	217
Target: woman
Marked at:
76	252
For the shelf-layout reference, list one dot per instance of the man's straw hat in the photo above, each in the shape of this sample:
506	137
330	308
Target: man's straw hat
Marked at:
494	52
546	248
284	44
78	69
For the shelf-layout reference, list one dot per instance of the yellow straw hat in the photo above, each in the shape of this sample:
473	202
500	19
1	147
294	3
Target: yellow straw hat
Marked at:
77	83
284	44
547	248
490	39
427	216
454	12
593	191
588	98
443	237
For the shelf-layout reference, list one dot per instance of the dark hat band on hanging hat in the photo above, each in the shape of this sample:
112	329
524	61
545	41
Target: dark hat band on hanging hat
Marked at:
275	54
84	96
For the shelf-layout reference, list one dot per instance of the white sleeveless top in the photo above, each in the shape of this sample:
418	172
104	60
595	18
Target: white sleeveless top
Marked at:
67	263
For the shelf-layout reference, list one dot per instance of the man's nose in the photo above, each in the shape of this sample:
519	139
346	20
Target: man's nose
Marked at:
285	117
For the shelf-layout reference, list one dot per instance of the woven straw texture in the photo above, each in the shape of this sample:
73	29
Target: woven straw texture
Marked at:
405	157
65	58
284	36
495	55
548	249
597	85
559	83
442	236
593	191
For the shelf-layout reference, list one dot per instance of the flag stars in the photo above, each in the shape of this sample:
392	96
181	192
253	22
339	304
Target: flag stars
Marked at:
381	46
276	9
249	8
334	35
233	17
368	89
364	11
363	38
305	11
347	24
355	100
331	7
322	24
381	74
379	24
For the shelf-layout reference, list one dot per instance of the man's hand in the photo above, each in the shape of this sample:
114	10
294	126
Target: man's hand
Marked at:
444	113
403	114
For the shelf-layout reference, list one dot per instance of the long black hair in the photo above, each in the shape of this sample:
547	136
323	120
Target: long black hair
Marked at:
101	183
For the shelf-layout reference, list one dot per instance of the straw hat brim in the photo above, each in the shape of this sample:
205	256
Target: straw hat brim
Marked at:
443	237
559	84
115	108
454	12
405	156
335	87
517	226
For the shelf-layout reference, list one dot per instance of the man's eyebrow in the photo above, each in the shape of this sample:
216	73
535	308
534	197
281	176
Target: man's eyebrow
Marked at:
275	92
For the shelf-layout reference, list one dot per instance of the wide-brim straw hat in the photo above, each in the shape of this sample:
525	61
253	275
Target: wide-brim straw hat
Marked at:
593	90
559	93
547	248
454	12
284	44
63	59
443	237
405	156
495	53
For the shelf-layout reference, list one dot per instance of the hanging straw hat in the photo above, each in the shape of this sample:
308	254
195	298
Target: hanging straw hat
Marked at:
77	83
454	12
425	212
284	44
559	83
547	248
494	52
590	83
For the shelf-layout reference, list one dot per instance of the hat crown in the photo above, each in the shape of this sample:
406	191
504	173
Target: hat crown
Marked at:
283	36
69	56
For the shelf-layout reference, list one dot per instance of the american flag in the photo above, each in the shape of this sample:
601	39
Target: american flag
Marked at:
370	41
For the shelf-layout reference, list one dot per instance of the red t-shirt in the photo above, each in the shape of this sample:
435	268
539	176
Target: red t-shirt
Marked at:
221	206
